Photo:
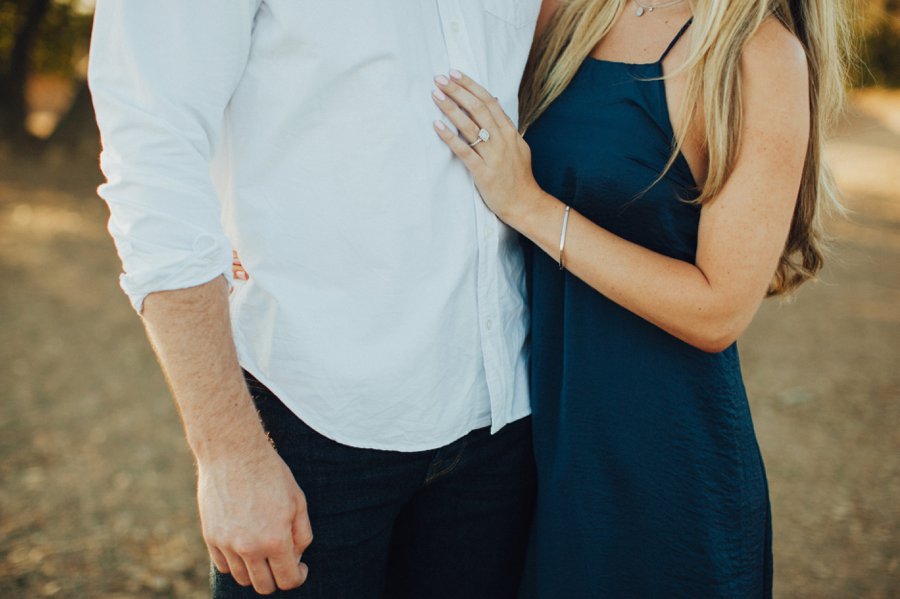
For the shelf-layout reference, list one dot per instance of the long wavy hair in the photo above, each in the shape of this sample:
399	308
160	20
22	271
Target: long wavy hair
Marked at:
720	31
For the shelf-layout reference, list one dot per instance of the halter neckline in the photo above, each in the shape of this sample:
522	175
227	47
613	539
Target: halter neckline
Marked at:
665	53
677	37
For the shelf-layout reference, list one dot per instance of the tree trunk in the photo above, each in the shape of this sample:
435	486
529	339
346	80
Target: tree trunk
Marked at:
12	100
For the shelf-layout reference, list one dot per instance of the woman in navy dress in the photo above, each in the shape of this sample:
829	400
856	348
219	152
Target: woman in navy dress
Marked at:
660	213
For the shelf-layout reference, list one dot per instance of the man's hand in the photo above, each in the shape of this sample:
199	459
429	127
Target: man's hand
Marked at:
253	513
254	520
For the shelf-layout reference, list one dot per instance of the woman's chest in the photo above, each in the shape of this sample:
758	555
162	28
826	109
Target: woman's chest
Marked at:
605	152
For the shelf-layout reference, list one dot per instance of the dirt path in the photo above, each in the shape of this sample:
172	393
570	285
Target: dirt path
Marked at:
823	375
96	485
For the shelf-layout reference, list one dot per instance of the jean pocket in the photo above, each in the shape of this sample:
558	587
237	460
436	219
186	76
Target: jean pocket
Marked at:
510	11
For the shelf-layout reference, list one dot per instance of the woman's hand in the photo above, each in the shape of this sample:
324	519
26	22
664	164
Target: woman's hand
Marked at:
501	164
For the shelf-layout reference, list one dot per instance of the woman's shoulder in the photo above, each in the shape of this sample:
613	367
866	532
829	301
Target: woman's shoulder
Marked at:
774	53
775	81
775	90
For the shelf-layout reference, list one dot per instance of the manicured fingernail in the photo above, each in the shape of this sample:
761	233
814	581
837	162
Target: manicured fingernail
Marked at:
440	125
441	80
438	95
455	74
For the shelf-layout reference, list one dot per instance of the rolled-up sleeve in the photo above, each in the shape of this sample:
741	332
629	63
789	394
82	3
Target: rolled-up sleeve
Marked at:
162	73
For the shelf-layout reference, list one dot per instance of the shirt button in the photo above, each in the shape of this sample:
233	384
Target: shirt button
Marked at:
454	26
489	324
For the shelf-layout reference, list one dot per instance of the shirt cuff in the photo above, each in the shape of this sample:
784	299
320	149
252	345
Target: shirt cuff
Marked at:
210	257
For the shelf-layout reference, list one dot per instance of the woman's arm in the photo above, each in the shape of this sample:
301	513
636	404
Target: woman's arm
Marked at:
742	232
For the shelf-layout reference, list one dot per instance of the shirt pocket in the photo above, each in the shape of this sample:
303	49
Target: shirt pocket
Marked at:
510	11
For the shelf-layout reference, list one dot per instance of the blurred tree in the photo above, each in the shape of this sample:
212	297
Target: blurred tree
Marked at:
881	43
37	36
21	20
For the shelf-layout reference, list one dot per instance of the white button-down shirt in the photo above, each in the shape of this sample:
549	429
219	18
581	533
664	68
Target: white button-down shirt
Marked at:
385	304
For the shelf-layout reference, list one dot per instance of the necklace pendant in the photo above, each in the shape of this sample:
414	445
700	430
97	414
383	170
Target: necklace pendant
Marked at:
640	11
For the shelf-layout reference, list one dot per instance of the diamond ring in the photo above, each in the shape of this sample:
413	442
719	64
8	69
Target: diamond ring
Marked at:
483	135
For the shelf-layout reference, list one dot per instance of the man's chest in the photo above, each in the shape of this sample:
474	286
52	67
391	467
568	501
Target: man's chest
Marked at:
330	39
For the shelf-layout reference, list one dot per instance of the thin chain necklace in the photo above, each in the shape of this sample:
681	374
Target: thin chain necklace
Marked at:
642	10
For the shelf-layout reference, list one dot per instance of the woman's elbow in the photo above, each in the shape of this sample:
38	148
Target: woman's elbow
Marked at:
714	344
715	335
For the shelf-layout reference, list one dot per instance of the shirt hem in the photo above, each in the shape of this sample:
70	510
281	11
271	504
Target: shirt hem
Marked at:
318	425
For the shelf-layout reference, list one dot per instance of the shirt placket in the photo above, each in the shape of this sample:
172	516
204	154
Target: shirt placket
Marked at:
461	55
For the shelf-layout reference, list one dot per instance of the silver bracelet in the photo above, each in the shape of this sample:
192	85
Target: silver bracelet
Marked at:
562	239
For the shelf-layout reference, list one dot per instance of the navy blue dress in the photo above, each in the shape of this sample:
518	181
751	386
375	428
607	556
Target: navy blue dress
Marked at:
651	483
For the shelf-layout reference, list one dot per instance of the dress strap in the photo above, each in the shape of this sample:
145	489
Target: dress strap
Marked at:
675	41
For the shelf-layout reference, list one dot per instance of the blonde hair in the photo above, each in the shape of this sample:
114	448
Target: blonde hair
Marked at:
720	31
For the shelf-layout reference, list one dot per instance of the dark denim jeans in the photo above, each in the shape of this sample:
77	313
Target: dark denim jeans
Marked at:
447	523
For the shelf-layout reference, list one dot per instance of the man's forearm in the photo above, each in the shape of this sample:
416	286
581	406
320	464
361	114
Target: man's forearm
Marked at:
191	332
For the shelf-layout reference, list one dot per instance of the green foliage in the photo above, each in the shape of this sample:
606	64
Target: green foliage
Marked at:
880	51
10	20
881	55
63	34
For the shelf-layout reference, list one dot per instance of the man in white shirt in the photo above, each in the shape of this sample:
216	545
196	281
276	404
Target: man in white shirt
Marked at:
382	331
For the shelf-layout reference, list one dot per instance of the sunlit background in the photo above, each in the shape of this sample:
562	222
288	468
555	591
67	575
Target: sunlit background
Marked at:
96	483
